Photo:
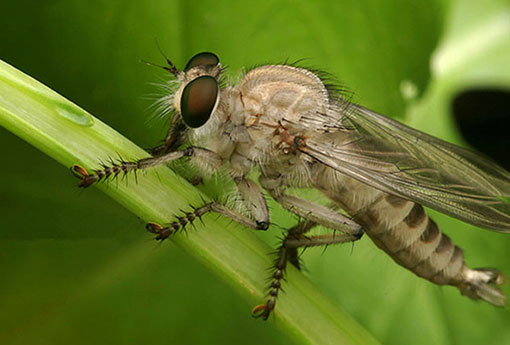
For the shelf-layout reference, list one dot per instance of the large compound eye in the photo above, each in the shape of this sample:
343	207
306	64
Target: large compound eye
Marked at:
206	58
198	100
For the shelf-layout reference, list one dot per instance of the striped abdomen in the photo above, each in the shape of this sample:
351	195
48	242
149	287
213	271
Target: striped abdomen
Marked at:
403	229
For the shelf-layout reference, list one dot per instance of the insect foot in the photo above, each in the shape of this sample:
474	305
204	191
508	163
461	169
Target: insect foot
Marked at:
106	172
264	310
162	233
86	178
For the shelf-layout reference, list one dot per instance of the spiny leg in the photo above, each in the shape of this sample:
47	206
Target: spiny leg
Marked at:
251	195
298	230
314	214
205	157
180	223
176	136
287	252
283	255
250	192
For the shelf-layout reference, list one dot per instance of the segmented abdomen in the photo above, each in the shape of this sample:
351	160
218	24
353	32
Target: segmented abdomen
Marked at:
403	229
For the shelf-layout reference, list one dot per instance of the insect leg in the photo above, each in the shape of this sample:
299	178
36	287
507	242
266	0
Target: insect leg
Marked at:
284	255
320	240
312	211
250	194
200	155
175	137
300	229
162	233
287	252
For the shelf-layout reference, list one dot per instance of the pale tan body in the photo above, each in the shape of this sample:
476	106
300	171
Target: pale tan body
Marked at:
258	121
283	121
403	230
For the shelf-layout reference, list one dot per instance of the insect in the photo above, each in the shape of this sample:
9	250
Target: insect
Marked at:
298	132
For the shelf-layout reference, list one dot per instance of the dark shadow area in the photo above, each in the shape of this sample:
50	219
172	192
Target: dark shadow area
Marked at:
483	119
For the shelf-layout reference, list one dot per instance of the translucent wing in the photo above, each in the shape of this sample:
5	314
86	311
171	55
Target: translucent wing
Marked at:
397	159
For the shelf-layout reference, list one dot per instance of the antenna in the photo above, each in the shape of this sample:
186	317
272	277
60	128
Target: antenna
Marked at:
172	69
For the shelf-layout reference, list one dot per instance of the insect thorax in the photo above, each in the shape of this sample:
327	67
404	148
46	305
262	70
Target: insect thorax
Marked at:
256	121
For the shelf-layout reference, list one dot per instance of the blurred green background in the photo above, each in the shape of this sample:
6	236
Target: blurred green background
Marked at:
75	267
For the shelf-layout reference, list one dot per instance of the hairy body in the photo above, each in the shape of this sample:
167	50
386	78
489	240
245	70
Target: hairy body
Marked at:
298	133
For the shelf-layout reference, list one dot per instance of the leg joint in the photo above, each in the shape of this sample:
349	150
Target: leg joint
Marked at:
262	225
359	234
189	151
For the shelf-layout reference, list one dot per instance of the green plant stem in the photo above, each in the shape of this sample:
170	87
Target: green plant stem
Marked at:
70	135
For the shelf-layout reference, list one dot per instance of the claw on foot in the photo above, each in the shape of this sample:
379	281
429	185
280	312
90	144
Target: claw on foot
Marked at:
86	178
160	232
262	311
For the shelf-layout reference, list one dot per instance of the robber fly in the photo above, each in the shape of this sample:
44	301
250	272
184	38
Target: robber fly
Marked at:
299	132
